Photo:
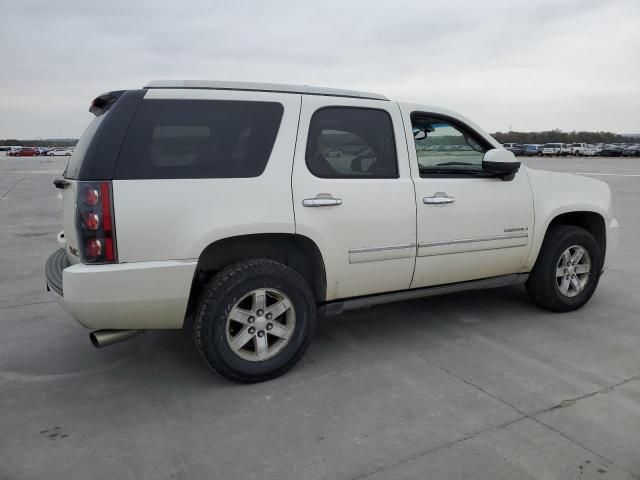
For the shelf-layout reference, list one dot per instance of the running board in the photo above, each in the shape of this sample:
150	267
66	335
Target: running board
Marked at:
340	306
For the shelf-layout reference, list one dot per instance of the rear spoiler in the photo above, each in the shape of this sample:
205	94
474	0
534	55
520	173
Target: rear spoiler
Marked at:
103	103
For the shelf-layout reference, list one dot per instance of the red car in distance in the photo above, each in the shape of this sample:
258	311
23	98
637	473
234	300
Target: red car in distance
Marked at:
27	152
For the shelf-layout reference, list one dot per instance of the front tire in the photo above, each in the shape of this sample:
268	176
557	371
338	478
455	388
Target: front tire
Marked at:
567	271
255	320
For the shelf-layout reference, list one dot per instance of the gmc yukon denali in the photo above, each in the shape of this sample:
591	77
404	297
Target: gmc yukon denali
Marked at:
244	211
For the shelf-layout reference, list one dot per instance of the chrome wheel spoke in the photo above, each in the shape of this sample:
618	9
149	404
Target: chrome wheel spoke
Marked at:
259	300
577	255
262	347
241	339
564	285
279	308
561	272
575	283
279	330
240	315
583	268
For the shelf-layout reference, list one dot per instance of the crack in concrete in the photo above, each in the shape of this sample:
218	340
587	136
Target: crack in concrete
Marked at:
14	186
571	401
524	416
439	447
26	304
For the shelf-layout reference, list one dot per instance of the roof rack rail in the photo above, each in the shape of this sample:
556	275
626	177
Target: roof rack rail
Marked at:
262	87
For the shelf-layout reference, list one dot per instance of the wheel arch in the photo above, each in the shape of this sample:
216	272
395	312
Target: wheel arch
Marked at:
296	251
591	221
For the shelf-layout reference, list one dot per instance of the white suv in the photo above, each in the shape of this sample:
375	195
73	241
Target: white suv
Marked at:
579	149
246	210
552	149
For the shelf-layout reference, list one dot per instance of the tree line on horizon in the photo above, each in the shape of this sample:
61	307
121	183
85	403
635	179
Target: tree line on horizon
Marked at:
549	136
558	136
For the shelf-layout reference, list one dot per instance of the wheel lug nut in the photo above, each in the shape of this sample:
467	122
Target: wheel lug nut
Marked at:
261	333
269	315
269	326
259	312
252	330
251	319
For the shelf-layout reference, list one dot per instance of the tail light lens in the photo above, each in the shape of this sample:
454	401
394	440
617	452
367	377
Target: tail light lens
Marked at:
94	223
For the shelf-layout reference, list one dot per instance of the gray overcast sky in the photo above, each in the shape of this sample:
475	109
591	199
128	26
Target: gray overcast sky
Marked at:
533	64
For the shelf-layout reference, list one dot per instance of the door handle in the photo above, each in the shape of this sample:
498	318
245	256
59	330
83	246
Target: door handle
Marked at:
321	201
438	199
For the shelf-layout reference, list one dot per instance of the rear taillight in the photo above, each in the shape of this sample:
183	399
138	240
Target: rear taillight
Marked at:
94	223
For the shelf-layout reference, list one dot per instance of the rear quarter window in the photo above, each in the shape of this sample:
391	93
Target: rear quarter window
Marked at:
75	161
199	139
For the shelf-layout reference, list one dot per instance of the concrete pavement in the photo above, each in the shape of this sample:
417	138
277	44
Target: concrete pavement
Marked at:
479	385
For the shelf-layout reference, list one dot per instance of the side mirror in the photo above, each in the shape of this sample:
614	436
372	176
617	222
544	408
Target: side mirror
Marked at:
419	134
500	162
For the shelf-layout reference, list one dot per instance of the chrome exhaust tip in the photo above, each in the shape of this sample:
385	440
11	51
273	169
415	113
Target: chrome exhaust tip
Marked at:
104	338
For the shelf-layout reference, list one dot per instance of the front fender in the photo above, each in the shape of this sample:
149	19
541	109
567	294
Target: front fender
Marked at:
556	193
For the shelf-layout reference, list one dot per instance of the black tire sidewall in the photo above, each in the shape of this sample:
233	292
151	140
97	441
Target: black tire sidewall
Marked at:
214	345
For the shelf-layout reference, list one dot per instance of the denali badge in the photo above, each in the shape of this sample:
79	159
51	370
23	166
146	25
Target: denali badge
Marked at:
516	229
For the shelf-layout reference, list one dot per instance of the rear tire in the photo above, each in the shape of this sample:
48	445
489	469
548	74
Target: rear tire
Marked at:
255	320
567	271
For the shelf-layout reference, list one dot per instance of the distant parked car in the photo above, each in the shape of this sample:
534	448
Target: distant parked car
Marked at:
578	149
591	151
59	152
27	152
516	148
551	149
611	151
632	151
13	150
566	149
533	150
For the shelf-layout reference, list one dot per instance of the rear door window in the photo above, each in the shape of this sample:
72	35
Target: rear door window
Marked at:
350	142
199	139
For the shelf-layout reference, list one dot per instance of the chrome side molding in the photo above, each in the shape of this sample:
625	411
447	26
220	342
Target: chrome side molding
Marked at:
458	241
382	252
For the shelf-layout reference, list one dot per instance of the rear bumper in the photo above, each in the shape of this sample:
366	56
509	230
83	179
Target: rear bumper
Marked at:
144	295
56	263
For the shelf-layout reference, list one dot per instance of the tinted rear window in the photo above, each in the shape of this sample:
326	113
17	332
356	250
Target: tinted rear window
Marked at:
348	142
199	139
79	153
